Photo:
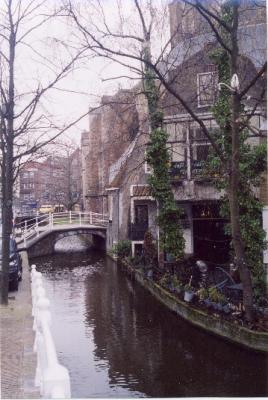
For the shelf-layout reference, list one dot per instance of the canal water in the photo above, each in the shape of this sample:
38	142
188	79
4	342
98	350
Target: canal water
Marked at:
119	341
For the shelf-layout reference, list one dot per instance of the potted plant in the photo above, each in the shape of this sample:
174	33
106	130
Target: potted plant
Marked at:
176	284
223	303
189	291
164	280
213	296
149	274
202	294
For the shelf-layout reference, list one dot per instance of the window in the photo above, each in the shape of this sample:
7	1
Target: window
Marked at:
25	175
178	152
200	153
200	146
138	249
188	20
148	168
141	214
28	185
176	132
26	196
207	88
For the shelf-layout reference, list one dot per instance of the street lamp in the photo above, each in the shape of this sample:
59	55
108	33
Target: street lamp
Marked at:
234	84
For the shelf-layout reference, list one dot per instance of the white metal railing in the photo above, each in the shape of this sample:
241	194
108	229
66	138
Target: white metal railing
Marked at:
51	377
32	228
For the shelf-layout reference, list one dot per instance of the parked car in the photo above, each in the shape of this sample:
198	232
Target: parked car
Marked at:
46	208
15	264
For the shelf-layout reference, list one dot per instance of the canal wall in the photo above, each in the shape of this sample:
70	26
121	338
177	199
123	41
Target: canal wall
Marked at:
213	324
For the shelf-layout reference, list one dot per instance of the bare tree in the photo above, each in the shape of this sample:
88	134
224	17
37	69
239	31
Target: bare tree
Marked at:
64	184
131	46
26	124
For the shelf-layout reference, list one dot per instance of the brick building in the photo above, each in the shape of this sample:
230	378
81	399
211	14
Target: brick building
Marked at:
116	169
56	180
112	129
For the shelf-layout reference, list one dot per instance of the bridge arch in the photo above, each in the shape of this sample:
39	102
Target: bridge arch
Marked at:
39	234
45	243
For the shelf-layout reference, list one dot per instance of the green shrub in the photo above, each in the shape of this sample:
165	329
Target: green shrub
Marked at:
122	248
150	250
213	294
202	294
176	283
165	279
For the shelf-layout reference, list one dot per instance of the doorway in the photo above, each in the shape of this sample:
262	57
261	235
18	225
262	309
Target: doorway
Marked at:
211	243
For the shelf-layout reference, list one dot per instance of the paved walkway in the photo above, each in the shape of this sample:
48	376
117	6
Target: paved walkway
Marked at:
18	362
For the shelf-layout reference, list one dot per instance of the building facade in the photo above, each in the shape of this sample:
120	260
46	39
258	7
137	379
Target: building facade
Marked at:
55	181
120	181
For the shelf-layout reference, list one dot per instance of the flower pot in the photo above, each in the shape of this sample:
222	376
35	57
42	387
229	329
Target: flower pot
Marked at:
178	290
207	302
150	274
188	296
226	309
214	305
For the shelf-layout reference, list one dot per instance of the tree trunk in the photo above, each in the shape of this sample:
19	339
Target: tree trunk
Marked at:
234	181
8	168
7	213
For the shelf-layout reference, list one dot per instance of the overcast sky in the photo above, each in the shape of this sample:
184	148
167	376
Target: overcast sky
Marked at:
84	86
81	89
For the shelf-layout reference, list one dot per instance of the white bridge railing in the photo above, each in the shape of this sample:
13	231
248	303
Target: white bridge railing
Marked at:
51	377
32	228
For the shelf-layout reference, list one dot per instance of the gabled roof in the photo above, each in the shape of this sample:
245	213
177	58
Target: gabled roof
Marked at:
252	41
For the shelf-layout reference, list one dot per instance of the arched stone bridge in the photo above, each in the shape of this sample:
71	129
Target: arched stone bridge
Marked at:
39	235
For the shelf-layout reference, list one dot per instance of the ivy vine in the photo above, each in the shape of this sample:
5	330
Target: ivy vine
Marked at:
158	157
252	164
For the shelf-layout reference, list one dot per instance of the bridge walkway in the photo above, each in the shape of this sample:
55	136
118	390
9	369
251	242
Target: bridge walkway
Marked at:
30	232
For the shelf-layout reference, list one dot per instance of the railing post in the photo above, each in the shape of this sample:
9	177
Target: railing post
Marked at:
24	233
70	217
80	219
52	220
90	218
36	225
51	377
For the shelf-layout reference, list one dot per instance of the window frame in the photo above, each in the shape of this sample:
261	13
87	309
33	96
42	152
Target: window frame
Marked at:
214	74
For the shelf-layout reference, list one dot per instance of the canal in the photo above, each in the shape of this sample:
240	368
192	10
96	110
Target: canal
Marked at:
119	341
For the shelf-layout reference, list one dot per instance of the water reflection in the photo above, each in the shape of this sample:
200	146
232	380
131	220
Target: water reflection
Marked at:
118	341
